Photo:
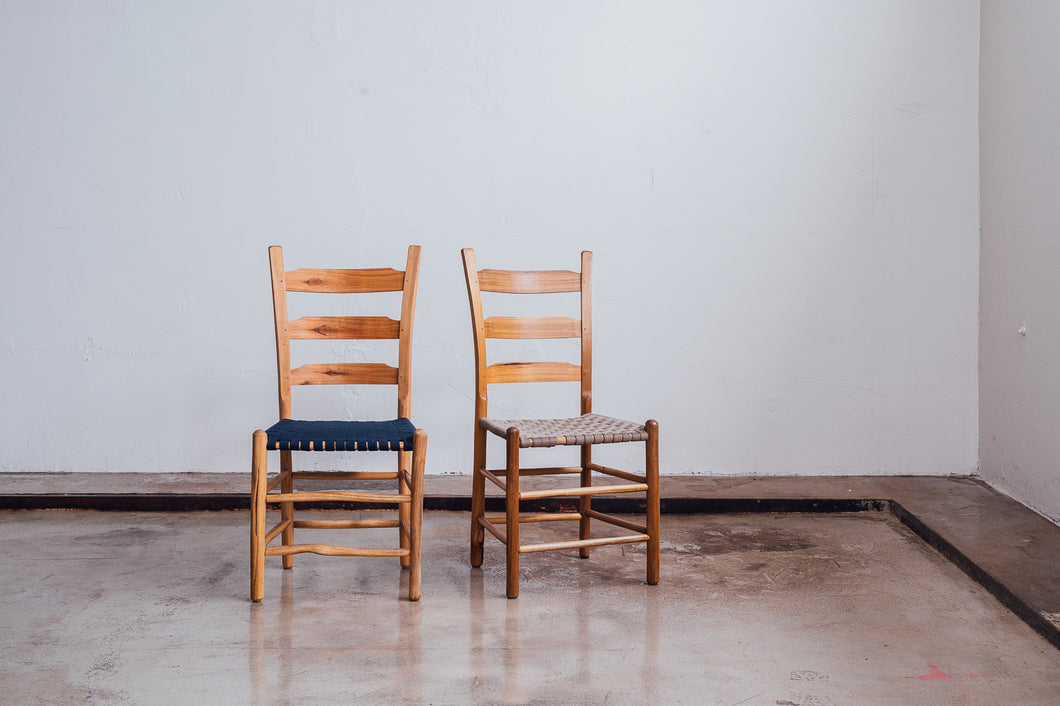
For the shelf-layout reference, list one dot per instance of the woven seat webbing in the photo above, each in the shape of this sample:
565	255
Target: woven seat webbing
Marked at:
576	431
302	435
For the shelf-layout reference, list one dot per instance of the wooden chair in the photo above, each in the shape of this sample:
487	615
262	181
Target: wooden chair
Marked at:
583	431
289	435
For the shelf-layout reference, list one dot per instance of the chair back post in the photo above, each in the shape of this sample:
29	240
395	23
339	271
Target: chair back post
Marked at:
408	311
474	296
587	331
283	341
530	282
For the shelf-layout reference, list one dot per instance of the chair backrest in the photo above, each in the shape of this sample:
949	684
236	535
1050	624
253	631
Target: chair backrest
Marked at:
344	327
525	327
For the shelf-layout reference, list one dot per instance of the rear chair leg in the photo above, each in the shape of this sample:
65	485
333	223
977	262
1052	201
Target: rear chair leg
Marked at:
651	452
478	496
287	509
403	508
258	479
585	503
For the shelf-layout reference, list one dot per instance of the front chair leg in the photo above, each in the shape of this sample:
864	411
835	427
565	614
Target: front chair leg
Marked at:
419	458
651	453
258	480
511	507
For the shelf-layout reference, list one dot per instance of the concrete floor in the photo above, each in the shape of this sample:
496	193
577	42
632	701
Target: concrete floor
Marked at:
763	609
1005	547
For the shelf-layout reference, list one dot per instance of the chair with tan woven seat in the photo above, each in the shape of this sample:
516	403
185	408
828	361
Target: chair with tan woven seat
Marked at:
289	435
583	431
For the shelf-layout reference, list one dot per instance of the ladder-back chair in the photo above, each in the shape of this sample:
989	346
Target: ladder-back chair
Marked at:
583	431
288	435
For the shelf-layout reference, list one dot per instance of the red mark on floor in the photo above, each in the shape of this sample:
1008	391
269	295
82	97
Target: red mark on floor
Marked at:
936	673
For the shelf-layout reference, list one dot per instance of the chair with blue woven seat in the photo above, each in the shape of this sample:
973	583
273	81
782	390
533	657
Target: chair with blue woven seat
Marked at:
289	435
583	431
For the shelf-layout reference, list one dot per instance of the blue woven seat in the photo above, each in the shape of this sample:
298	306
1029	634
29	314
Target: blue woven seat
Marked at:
301	435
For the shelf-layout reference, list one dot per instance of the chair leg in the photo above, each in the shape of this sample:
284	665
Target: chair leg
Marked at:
478	496
585	503
511	509
258	480
287	509
403	508
415	512
651	452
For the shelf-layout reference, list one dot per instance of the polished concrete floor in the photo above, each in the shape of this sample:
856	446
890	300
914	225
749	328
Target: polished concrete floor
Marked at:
1004	546
762	609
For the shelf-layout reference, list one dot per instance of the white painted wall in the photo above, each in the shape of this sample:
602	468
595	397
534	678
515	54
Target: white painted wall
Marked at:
1019	375
782	198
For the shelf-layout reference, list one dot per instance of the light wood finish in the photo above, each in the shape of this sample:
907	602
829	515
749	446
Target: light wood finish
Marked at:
287	508
416	514
279	529
343	327
346	281
532	327
625	475
478	480
344	524
511	512
333	550
336	496
586	302
523	282
408	498
494	479
409	288
579	543
651	459
344	374
549	471
533	372
536	517
283	343
258	480
577	492
491	527
619	522
546	282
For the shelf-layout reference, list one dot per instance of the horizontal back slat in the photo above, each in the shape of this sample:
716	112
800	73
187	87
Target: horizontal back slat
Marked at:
532	327
382	279
345	374
343	327
533	372
529	282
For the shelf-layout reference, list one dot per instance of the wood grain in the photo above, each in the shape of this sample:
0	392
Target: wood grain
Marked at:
532	327
345	374
360	281
343	328
529	281
533	372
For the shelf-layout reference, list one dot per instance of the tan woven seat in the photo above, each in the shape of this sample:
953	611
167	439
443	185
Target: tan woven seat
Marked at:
583	431
576	431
